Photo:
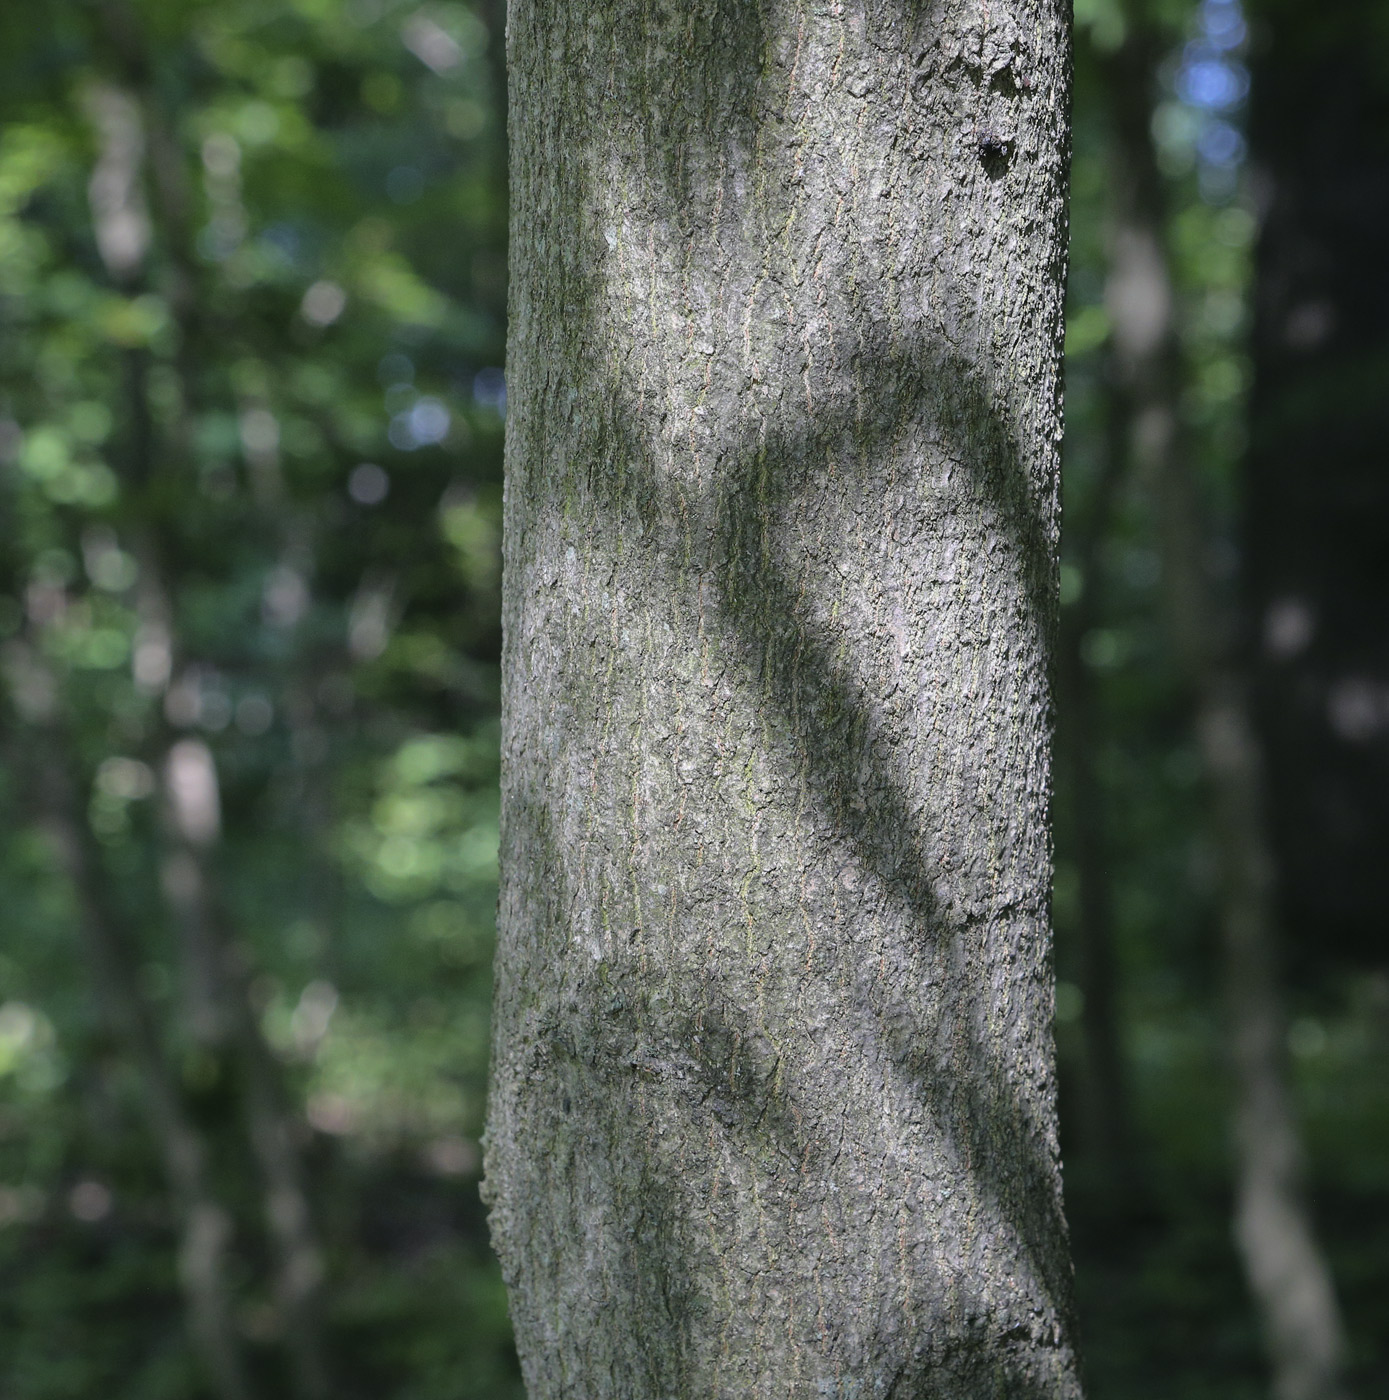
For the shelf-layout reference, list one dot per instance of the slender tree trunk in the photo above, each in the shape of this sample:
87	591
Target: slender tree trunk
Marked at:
1316	491
1106	1118
773	1099
205	1225
193	823
1283	1262
216	995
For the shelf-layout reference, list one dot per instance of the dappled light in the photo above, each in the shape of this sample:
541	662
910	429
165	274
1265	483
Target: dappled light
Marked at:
787	603
253	282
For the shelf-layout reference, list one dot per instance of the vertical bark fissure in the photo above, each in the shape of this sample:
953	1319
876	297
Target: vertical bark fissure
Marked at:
1283	1262
773	1093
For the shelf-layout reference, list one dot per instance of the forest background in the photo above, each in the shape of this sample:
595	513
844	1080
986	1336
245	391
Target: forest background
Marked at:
252	311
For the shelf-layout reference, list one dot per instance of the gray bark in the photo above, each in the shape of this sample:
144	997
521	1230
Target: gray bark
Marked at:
773	1099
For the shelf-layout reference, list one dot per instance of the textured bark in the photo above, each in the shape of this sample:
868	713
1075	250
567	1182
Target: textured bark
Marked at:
773	1099
1283	1262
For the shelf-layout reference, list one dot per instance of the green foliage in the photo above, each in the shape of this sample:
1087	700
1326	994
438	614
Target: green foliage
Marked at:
268	409
1164	1308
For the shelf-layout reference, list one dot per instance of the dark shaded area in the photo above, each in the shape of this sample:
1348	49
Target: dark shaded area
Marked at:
1317	474
1163	1304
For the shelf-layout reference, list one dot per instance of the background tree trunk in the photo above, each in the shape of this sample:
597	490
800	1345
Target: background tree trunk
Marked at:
1105	1114
1282	1258
219	1015
1317	514
773	1096
205	1224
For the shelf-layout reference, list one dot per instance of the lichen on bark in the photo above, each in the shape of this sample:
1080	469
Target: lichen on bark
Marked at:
772	1108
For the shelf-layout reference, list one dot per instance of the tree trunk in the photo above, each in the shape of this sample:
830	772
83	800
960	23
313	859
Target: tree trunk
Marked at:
218	1011
773	1099
205	1225
193	821
1105	1115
